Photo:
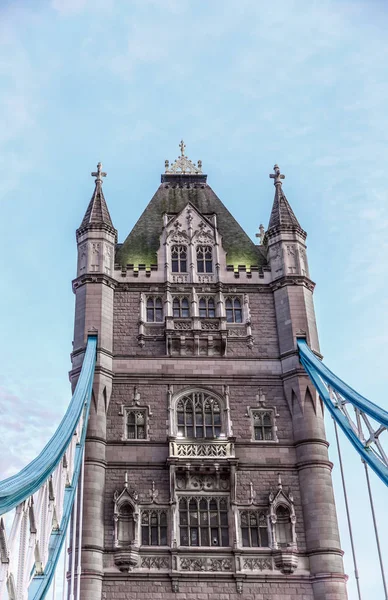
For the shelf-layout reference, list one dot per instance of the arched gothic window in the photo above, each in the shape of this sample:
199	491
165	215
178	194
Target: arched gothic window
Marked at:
154	310
254	529
198	416
283	527
233	310
204	259
154	527
203	521
262	425
180	308
207	307
179	259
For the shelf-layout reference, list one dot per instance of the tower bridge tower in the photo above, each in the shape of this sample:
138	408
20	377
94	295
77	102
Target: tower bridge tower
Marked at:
206	468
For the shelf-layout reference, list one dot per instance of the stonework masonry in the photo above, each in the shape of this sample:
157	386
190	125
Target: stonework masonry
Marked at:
206	466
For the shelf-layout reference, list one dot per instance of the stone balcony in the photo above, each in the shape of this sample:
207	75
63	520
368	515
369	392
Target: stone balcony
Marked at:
218	449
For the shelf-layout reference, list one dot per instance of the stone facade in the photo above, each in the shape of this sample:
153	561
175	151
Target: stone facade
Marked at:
206	469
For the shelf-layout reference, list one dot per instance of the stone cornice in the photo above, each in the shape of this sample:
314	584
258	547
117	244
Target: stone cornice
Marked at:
94	278
292	280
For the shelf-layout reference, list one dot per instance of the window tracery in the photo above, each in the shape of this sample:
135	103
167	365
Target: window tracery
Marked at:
207	307
204	259
179	259
198	416
203	521
136	421
180	307
254	529
263	428
154	310
153	527
233	310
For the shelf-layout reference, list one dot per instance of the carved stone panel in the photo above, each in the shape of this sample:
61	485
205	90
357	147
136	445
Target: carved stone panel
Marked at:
206	563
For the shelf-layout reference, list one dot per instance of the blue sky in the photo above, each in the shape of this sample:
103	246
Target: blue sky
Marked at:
246	84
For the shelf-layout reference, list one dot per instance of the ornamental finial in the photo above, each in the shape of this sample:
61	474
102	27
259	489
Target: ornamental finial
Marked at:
277	176
183	165
99	174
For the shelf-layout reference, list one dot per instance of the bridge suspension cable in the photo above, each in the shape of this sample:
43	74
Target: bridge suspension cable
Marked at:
42	495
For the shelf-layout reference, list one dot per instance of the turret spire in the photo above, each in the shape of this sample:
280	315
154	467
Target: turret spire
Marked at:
97	213
282	215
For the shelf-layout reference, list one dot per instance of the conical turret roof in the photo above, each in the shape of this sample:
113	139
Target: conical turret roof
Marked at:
282	215
97	213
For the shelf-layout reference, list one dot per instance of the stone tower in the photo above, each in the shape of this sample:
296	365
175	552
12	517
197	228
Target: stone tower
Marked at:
206	468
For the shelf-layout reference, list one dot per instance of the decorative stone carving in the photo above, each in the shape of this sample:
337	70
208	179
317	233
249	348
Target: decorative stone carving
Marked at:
202	450
126	528
183	325
283	519
257	563
206	564
155	562
286	561
196	482
210	325
183	165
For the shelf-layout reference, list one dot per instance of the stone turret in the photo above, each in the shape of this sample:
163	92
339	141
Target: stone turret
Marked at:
94	289
295	316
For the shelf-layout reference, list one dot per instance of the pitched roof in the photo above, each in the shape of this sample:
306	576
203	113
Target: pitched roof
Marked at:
282	213
97	212
174	193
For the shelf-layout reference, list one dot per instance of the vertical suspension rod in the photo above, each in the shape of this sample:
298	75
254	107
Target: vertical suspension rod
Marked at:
74	537
81	502
375	528
347	511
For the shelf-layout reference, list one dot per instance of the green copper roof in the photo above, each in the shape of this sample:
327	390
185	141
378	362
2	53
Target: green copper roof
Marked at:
172	196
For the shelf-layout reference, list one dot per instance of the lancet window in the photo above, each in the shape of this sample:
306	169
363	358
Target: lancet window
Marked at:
179	259
207	307
233	310
154	527
203	521
198	416
204	259
154	310
254	529
263	425
180	307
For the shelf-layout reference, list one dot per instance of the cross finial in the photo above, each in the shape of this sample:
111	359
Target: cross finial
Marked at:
182	146
277	176
99	174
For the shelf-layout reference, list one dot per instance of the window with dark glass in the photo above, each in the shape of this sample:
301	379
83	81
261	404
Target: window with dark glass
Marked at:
154	528
154	310
136	424
207	307
179	259
203	521
180	308
204	259
262	425
254	529
233	310
198	416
